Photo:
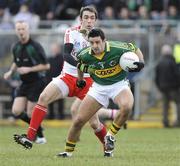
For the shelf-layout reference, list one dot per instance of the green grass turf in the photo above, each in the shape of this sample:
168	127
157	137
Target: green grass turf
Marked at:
134	147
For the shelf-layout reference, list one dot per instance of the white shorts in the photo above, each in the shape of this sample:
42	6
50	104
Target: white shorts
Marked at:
102	93
61	85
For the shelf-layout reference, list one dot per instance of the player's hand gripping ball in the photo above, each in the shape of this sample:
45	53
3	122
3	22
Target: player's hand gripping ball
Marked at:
129	62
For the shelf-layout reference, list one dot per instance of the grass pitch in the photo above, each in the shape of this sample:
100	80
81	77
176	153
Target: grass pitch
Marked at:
134	147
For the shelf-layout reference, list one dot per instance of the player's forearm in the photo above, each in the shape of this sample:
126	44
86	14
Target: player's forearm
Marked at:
40	67
80	83
80	74
140	55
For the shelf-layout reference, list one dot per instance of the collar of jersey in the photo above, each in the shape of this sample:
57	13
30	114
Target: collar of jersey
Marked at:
107	49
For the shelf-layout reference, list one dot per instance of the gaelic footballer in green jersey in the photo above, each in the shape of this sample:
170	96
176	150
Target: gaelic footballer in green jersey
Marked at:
101	60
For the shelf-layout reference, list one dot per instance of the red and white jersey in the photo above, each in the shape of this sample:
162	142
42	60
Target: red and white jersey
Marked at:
72	35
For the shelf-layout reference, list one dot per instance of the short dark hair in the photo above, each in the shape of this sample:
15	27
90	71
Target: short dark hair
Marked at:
90	9
95	32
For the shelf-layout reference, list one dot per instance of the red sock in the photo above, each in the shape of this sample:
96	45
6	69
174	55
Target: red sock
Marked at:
38	115
101	134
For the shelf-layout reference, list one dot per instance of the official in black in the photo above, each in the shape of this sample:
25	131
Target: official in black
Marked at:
31	63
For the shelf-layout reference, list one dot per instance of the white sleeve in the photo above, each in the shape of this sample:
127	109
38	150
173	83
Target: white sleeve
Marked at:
68	37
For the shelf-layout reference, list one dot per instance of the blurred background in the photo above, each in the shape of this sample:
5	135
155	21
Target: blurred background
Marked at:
151	24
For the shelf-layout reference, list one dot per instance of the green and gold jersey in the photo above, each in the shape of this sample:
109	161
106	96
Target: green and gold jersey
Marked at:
105	69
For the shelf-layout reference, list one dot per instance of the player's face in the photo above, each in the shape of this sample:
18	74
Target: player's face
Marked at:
97	44
88	20
22	31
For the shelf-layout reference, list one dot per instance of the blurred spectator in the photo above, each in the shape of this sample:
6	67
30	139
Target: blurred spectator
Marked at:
167	81
98	4
24	14
142	13
176	53
158	9
172	13
174	3
5	19
155	15
108	13
56	63
133	5
118	4
68	9
123	14
48	6
157	5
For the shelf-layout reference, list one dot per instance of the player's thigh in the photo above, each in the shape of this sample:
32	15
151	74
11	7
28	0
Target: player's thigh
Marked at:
88	107
19	105
30	106
50	94
124	99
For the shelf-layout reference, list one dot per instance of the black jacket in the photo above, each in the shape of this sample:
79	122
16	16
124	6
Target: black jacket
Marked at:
166	74
56	64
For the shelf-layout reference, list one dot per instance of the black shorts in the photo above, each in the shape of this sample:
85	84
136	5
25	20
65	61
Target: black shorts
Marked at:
30	90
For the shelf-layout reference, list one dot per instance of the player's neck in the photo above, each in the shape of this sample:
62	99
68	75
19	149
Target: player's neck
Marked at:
99	56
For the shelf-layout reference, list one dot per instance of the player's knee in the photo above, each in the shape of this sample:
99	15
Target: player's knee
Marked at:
43	98
126	104
94	122
73	110
16	112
